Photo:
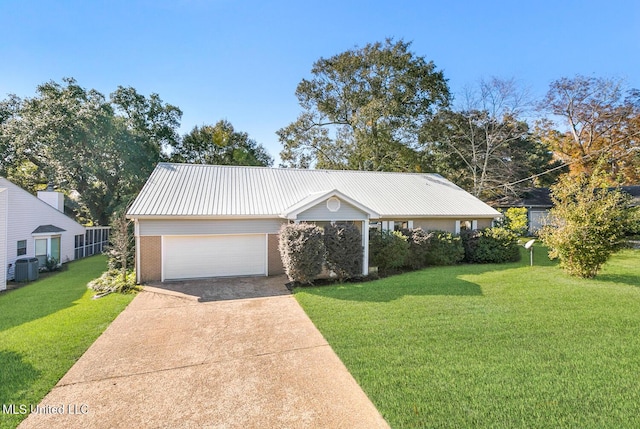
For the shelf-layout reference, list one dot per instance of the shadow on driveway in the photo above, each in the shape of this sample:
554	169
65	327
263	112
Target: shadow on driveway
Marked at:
223	289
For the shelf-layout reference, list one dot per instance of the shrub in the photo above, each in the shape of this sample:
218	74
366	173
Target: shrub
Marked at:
516	220
444	248
590	222
388	249
51	264
343	244
302	251
490	246
112	281
418	241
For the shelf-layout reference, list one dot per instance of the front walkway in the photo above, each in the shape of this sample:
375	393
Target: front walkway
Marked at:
187	355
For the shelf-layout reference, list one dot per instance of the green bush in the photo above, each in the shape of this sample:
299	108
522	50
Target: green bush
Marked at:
111	281
490	246
516	220
52	264
388	249
302	251
443	248
343	244
590	223
418	241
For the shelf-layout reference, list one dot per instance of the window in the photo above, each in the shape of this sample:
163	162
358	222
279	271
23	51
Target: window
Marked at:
48	247
22	247
41	251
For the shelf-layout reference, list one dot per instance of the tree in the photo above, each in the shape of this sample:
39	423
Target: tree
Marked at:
600	121
74	138
121	244
363	109
484	146
589	222
220	144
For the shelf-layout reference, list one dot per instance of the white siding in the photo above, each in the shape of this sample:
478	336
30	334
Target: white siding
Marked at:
320	212
157	227
3	239
25	214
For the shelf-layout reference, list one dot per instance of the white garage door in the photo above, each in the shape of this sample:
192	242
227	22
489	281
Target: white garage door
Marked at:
187	257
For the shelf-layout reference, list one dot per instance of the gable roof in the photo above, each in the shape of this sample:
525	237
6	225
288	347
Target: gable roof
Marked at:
234	191
47	229
315	198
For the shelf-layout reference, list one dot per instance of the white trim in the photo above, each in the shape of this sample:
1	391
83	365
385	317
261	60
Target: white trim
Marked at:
292	212
162	278
365	244
333	204
136	235
474	225
266	255
457	230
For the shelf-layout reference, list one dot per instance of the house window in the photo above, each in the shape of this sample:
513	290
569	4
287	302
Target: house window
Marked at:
41	251
22	247
47	248
466	225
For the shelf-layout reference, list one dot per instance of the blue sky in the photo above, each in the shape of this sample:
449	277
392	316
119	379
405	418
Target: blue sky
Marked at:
242	60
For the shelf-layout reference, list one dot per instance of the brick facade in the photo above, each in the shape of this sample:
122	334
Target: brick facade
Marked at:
150	258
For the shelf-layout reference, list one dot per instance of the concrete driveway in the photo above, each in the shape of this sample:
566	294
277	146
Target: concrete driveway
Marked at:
224	353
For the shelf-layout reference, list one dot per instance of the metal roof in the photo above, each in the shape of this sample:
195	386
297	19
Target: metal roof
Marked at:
235	191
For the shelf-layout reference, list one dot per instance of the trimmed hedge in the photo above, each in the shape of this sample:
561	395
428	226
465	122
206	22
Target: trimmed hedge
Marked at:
388	249
490	246
444	248
418	241
302	251
343	244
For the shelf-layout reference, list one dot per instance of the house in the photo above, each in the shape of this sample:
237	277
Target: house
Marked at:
538	202
36	227
196	221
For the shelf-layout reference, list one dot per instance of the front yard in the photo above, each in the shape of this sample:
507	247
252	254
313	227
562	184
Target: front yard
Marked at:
45	327
492	345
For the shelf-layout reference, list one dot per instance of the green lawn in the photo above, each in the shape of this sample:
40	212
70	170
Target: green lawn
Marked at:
45	327
500	346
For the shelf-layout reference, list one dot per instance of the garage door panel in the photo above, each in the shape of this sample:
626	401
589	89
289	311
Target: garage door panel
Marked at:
214	256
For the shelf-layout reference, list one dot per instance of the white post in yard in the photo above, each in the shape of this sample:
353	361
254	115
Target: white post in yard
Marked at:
365	245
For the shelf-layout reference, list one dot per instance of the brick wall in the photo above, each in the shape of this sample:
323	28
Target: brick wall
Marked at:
150	258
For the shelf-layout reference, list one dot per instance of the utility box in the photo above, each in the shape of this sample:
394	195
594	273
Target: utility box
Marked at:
27	269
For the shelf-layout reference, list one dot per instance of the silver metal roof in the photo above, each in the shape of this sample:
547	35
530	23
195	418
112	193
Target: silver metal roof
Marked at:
214	190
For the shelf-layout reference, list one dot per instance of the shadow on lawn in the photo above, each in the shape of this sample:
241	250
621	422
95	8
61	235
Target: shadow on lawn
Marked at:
435	281
16	376
39	299
626	279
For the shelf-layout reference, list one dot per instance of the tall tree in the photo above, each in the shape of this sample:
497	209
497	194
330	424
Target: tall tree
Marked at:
363	109
73	138
220	144
599	118
484	146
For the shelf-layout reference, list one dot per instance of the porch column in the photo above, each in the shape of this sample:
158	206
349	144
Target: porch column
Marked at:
365	245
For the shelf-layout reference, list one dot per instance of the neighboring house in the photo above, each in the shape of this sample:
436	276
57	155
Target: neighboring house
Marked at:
196	221
37	227
538	202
